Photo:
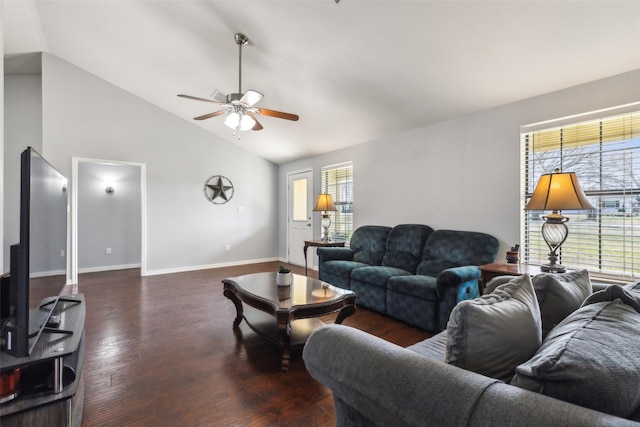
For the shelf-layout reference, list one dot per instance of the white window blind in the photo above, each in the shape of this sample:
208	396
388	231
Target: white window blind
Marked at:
337	180
605	155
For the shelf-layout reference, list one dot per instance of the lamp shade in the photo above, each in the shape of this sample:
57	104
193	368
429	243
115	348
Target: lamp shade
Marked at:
558	191
324	202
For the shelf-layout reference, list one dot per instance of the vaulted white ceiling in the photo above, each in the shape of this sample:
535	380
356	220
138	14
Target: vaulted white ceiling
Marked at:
353	71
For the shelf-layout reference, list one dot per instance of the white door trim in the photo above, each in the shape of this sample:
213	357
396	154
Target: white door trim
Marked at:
288	193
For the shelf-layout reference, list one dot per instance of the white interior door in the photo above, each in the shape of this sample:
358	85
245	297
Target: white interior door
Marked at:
300	205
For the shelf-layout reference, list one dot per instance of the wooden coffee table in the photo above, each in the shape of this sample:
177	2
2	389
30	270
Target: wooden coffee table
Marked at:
286	315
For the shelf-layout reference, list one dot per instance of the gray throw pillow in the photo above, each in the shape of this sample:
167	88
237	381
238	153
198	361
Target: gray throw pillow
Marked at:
559	295
497	281
632	287
493	334
592	358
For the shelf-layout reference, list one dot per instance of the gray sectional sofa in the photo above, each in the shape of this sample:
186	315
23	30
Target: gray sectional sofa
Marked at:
410	272
495	365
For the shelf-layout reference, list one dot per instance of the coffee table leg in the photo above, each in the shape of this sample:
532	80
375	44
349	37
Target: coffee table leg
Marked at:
284	329
345	312
236	301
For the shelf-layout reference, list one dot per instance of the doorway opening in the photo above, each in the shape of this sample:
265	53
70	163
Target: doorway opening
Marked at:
109	199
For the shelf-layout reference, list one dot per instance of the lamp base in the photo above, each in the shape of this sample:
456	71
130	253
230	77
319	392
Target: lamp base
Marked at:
326	223
553	268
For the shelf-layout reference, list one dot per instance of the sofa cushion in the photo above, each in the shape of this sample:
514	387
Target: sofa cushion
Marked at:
433	267
433	348
452	248
405	243
493	334
342	268
421	287
368	243
592	358
376	275
558	294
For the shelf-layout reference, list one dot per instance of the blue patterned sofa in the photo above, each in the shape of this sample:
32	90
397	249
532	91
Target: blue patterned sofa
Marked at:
410	272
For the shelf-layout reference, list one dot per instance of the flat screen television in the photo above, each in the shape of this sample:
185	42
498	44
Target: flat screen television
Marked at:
38	263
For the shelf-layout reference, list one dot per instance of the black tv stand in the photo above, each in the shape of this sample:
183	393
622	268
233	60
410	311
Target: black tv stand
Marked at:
60	299
53	330
59	355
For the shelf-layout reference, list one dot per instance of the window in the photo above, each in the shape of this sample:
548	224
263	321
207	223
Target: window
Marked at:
605	155
337	180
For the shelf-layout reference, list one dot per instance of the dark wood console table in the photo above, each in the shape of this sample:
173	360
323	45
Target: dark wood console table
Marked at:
61	406
321	244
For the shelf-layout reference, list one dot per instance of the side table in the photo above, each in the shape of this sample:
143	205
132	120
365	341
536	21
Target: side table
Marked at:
489	271
320	244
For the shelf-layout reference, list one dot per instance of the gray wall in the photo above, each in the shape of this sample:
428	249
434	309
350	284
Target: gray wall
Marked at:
85	117
184	230
460	174
22	128
109	220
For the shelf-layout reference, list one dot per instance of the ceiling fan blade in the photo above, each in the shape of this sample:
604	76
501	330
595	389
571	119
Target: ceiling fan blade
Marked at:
208	116
257	126
219	96
250	98
201	99
278	114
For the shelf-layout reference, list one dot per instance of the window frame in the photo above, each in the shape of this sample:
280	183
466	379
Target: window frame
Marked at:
587	145
337	180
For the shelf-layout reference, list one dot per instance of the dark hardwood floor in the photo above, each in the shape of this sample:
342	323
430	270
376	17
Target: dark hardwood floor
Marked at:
161	351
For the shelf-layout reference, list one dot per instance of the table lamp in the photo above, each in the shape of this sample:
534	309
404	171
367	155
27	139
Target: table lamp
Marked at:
324	203
557	191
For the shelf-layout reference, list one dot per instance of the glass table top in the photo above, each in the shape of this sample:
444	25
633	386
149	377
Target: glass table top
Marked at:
302	291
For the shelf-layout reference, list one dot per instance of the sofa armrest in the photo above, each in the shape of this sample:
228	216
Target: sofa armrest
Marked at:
334	253
450	279
454	285
457	275
375	382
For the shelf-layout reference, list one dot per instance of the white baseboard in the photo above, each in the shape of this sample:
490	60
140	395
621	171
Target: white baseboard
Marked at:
184	269
48	273
208	266
107	268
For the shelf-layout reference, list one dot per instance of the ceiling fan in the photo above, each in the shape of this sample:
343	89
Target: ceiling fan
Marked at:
239	106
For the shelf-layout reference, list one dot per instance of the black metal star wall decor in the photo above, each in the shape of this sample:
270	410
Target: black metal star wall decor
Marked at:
218	189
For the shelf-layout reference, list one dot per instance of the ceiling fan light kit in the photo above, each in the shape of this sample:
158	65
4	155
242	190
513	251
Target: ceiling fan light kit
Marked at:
235	120
239	106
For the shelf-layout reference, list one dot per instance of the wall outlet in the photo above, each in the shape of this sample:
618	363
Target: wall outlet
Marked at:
108	251
62	253
241	209
227	248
